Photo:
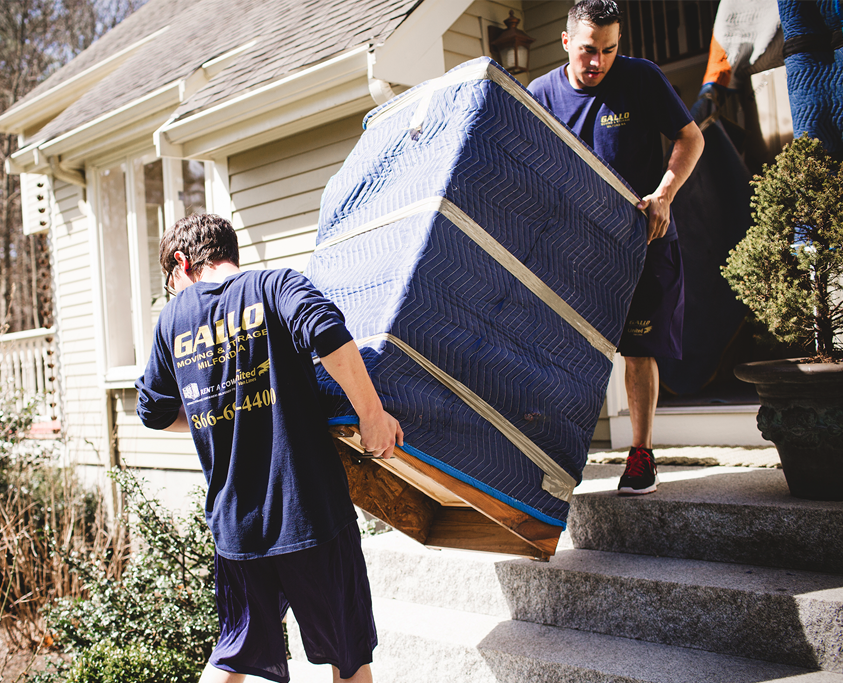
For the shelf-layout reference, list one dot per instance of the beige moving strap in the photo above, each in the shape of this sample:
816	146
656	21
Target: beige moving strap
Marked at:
484	70
497	251
557	482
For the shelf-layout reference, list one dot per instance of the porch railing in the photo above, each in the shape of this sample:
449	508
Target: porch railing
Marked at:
28	368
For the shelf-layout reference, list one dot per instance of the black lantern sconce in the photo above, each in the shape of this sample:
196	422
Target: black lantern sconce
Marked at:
511	45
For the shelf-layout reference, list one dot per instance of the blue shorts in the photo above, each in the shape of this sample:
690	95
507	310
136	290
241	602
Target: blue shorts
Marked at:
328	589
653	326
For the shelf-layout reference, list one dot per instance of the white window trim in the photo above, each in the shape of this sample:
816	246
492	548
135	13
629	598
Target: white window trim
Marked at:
217	200
124	375
218	188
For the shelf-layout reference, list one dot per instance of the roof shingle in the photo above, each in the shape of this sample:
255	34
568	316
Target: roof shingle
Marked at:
290	35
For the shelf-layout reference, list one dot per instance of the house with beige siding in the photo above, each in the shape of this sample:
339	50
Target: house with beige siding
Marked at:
246	108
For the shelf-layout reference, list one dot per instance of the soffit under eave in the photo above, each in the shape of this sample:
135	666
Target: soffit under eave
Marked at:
326	91
225	129
129	127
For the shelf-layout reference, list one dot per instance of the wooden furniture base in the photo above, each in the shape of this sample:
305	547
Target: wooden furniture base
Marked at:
436	509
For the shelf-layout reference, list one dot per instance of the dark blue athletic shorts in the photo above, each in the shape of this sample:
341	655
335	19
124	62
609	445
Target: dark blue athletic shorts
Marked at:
653	326
328	589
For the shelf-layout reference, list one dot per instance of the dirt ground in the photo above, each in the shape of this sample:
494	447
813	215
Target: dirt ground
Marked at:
15	663
12	663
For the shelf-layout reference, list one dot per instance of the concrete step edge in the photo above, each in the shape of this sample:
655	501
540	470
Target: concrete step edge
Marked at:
787	616
722	514
420	643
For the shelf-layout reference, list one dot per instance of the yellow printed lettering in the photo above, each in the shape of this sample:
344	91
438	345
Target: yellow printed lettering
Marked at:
203	336
252	316
220	328
184	345
232	330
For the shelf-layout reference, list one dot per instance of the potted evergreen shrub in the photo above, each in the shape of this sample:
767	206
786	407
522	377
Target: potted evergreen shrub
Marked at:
789	271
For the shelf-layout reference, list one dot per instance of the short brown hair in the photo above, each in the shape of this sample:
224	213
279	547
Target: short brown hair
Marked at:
594	12
204	238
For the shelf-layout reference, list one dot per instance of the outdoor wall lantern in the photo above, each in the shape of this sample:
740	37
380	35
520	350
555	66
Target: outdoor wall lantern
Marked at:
512	45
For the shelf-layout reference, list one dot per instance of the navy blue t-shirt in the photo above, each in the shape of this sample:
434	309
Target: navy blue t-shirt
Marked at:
621	119
237	354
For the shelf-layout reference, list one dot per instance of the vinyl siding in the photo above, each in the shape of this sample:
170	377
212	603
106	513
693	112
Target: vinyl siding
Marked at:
276	190
468	37
82	406
545	22
145	448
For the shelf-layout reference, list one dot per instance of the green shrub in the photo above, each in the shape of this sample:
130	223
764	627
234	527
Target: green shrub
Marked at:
161	611
19	454
106	662
788	268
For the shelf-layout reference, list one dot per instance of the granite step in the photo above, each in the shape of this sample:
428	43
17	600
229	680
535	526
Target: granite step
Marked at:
420	643
720	514
719	576
787	616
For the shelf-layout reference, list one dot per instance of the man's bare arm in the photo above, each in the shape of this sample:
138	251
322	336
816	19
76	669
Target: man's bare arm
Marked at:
181	424
687	150
379	431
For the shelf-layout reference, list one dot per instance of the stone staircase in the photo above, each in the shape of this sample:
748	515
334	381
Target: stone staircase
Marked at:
720	576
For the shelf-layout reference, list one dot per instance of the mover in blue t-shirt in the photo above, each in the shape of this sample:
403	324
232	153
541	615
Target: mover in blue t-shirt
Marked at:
231	363
621	107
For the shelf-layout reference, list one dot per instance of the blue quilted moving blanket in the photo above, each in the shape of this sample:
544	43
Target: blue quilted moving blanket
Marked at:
813	58
485	260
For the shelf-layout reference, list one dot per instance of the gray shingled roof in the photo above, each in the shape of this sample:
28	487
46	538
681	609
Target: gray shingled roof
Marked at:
321	29
291	35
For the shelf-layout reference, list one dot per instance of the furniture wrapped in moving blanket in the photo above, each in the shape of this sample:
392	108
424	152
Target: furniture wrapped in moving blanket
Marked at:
485	260
813	58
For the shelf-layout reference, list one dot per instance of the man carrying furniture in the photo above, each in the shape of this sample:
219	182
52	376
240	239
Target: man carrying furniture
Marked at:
621	106
231	363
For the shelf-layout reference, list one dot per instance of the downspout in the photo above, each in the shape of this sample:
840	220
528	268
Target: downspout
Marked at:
68	176
381	91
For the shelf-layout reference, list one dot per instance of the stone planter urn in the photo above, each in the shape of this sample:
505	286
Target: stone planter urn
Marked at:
802	414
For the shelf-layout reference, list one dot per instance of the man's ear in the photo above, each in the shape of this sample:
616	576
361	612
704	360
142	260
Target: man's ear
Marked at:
182	261
565	41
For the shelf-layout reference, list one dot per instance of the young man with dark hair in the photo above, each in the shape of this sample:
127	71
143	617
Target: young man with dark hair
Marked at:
231	363
621	106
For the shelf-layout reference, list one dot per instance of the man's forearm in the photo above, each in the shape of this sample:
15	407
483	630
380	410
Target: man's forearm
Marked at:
346	366
379	431
687	149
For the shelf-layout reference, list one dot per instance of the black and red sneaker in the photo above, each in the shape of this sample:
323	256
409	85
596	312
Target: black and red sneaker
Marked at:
640	475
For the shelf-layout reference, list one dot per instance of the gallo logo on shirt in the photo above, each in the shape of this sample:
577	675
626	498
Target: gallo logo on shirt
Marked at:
240	328
614	120
638	328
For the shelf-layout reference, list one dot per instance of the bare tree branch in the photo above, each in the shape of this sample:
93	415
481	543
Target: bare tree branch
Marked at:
37	37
